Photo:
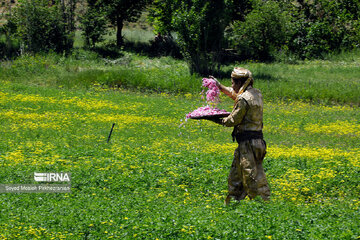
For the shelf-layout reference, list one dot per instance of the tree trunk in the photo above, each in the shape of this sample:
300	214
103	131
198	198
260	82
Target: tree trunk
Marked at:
119	37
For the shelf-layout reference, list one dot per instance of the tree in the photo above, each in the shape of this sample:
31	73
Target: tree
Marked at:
41	26
193	22
161	14
119	11
324	26
238	9
257	29
67	8
199	25
263	31
93	23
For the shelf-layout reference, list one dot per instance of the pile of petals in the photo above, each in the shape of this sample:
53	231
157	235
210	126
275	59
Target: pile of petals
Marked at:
206	111
212	95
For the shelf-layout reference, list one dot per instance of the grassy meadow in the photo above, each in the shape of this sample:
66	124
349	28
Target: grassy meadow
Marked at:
161	177
333	81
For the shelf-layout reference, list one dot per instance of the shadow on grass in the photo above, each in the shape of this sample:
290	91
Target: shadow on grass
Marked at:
149	49
266	77
110	51
154	49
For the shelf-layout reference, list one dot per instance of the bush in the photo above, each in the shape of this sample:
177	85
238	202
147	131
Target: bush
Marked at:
263	33
322	27
9	45
296	29
93	23
200	27
165	46
40	27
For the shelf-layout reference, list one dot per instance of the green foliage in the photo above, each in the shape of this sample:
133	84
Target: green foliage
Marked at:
334	81
93	23
275	30
261	30
41	27
119	11
321	27
200	27
161	14
9	46
238	9
263	33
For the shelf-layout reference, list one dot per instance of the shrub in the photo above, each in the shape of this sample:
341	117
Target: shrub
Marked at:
324	26
263	33
9	45
93	23
200	27
41	27
301	29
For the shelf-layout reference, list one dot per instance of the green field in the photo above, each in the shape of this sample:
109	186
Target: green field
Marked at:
332	81
159	178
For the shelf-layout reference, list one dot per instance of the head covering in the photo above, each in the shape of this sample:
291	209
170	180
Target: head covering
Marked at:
240	72
244	74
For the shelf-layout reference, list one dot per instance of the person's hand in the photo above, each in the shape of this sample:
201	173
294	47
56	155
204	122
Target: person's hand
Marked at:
217	82
217	120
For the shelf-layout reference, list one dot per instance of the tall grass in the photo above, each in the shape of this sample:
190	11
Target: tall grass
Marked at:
327	81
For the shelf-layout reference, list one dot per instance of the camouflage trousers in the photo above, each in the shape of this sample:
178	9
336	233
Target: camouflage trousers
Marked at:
247	176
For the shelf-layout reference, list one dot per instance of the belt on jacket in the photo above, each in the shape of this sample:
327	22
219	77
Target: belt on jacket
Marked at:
247	135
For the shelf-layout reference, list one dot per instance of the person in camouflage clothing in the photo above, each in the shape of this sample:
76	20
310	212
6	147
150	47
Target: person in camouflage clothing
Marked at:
247	176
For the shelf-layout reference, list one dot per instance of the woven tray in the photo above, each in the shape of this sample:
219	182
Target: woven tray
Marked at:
210	117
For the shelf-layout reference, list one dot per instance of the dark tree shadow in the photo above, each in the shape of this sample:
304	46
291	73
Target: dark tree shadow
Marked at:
154	48
110	51
265	77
